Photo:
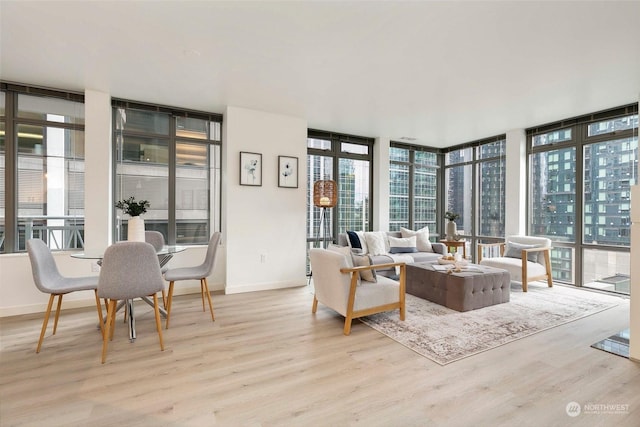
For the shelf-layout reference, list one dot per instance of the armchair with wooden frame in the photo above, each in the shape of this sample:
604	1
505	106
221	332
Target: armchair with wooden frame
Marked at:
527	258
337	285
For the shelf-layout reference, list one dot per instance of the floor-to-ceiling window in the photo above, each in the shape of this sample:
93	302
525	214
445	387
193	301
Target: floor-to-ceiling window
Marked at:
171	158
41	168
580	174
474	188
345	159
413	187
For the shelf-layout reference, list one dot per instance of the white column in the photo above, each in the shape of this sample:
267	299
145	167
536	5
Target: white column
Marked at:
515	182
381	184
98	197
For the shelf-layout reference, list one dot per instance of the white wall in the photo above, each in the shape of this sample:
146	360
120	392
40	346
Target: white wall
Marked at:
515	183
380	192
264	226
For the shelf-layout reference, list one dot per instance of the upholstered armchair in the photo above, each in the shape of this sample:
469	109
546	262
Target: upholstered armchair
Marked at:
526	258
338	285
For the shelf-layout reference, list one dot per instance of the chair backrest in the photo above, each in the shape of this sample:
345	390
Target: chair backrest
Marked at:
155	238
531	240
129	270
330	285
210	257
43	266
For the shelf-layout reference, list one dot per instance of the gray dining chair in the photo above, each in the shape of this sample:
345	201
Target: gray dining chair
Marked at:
199	272
129	270
49	280
156	239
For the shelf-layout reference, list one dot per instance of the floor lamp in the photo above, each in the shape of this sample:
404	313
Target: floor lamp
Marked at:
325	197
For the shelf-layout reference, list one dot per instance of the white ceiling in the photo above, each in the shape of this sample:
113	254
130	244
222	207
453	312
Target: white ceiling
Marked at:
441	72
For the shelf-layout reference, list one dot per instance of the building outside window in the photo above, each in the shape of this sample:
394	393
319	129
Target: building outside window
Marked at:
474	183
413	188
581	175
41	168
345	159
172	159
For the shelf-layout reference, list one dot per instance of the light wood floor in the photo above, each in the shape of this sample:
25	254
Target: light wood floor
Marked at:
267	361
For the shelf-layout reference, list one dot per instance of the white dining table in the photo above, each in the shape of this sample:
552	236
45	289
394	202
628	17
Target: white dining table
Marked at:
164	256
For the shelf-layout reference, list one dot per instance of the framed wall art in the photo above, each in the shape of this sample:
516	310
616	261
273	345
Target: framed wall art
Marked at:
250	169
287	172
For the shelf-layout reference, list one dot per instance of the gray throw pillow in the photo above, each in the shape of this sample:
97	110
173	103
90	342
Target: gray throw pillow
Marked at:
514	250
361	261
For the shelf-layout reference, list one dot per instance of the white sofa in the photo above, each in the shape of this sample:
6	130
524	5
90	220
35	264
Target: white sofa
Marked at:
437	251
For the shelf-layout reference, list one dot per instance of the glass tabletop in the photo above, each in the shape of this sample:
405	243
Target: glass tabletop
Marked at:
99	254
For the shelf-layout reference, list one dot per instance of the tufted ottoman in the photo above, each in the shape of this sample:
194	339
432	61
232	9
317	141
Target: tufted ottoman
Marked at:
479	286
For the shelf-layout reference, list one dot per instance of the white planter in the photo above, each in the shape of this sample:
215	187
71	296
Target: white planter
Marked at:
135	232
452	230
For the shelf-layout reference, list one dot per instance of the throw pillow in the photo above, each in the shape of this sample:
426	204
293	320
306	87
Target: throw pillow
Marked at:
376	242
514	250
365	261
354	242
423	244
402	245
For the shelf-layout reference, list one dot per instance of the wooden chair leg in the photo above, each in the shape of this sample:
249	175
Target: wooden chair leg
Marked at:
100	318
164	299
108	329
113	317
347	325
206	288
169	301
202	292
314	307
158	327
55	322
45	322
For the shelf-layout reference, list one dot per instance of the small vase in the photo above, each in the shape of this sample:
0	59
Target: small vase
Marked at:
452	230
135	232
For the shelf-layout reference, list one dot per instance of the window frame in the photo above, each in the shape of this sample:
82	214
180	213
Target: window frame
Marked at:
173	140
10	242
580	139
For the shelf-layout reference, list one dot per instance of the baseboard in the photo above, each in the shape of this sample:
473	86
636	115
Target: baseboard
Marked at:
255	287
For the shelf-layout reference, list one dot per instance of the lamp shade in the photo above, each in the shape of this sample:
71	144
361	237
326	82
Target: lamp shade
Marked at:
325	194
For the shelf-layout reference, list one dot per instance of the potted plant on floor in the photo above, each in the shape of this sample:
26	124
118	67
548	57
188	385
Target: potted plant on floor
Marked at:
133	208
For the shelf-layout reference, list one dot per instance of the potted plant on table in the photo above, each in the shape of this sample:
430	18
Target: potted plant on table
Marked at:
452	228
134	209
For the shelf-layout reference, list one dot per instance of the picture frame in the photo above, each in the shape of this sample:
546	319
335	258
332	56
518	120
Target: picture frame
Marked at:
287	172
250	169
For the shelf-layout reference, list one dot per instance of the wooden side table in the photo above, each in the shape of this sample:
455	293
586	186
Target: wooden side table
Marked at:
456	244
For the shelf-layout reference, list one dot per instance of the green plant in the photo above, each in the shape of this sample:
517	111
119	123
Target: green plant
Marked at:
133	208
451	216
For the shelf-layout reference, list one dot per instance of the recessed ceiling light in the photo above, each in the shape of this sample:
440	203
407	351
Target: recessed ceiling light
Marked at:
407	138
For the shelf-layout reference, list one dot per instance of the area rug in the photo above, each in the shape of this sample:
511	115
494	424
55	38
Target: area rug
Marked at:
444	335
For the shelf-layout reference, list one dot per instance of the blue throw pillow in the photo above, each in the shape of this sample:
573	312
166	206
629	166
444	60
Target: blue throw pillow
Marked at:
354	240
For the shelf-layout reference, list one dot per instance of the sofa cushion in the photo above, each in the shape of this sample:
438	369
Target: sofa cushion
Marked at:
423	244
376	242
400	245
350	240
514	250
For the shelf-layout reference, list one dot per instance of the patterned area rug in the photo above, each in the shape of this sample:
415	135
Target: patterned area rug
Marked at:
444	335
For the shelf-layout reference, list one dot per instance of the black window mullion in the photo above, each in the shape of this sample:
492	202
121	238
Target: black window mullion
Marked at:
171	214
11	174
